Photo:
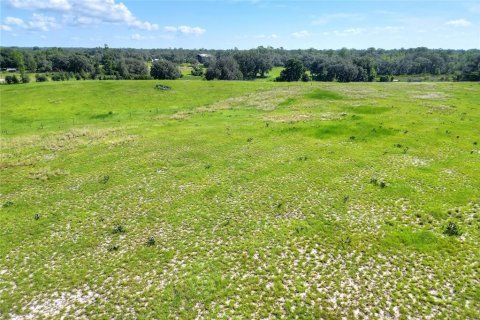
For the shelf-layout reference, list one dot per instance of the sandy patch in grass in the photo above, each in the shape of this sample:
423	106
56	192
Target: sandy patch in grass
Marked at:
293	118
54	305
430	96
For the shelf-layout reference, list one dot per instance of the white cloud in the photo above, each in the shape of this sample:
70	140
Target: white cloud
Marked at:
137	37
40	22
13	21
86	12
459	23
389	28
61	5
4	27
266	36
301	34
186	30
349	32
170	29
191	30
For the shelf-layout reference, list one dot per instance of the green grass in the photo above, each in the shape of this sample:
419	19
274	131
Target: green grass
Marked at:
321	94
295	200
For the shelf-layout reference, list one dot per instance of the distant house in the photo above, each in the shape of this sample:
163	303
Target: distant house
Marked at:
204	57
153	60
11	69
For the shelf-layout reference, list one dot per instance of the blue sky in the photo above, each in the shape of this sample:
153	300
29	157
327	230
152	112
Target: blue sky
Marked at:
240	23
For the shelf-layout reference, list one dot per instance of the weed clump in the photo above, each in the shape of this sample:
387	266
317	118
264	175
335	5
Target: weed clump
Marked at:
37	216
375	182
119	229
151	241
162	87
7	204
452	230
113	248
105	179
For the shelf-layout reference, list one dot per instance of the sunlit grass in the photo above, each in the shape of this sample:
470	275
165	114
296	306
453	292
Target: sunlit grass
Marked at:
239	200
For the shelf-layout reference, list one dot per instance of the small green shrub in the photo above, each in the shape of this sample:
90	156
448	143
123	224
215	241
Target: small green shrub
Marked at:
162	87
113	248
118	229
12	79
7	204
452	230
385	79
41	78
25	78
197	70
151	241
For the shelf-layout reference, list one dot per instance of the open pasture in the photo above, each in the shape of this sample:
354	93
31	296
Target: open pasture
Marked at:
241	200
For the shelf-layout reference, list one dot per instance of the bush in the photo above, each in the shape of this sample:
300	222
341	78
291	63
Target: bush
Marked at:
162	87
305	77
113	248
294	71
25	78
197	70
12	79
384	79
106	177
41	78
60	76
452	230
118	229
151	241
165	70
7	204
225	68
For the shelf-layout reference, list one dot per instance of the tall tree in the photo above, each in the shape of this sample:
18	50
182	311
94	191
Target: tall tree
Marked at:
224	68
164	69
293	71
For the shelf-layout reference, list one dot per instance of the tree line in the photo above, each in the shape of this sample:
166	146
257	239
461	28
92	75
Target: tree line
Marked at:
343	65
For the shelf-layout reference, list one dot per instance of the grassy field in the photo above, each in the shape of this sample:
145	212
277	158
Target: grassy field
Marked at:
241	200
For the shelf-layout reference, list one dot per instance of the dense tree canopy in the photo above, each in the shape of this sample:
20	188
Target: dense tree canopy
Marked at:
293	71
324	65
225	68
164	69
